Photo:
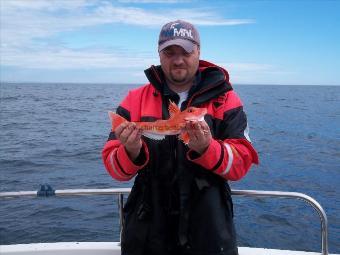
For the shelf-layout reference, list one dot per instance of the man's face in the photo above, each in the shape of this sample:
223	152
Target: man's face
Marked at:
179	66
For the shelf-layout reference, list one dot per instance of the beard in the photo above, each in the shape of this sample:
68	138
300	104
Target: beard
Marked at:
179	75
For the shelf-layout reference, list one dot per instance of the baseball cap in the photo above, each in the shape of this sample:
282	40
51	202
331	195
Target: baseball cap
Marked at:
179	33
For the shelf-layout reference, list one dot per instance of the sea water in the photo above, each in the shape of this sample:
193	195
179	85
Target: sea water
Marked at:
54	133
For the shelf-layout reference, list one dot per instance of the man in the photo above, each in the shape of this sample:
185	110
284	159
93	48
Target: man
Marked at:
180	202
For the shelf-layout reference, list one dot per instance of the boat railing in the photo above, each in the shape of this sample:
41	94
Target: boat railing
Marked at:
46	191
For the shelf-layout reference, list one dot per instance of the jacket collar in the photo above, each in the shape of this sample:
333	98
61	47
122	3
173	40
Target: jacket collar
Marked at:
211	81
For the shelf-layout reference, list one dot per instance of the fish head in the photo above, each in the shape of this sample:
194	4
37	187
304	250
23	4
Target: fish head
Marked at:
194	113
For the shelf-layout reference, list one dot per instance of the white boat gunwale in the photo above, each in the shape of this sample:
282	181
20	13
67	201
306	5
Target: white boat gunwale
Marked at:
46	190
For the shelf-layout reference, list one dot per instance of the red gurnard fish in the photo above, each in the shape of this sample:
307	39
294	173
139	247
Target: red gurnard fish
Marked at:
158	129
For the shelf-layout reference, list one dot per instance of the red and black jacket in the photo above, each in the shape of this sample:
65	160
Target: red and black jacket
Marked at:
230	154
171	179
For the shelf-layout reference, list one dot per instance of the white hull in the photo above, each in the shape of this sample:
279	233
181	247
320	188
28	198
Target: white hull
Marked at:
110	248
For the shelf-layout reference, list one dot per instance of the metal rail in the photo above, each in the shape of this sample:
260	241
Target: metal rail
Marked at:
300	196
121	191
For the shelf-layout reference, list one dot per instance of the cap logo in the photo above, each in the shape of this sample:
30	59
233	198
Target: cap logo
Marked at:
173	25
182	32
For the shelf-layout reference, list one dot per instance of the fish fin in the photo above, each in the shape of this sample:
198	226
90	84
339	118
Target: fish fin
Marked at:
184	137
173	109
154	136
116	120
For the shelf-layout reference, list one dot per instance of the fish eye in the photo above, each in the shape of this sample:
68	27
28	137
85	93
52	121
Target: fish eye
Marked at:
190	110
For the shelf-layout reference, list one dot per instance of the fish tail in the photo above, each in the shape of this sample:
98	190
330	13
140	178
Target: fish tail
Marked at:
116	120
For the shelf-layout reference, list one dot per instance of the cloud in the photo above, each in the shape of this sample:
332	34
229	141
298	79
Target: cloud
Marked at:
65	58
250	73
23	20
29	28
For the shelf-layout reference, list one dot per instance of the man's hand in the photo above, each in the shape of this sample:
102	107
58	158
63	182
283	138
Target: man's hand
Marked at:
200	135
130	136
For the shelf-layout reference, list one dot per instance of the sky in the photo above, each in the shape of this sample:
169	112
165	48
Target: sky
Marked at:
291	42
